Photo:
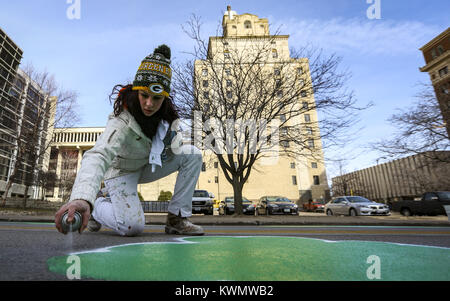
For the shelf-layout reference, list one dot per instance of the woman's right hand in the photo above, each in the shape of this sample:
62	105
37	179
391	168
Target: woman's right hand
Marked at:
81	206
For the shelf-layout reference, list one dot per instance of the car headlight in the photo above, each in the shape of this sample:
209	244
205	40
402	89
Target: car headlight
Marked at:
295	206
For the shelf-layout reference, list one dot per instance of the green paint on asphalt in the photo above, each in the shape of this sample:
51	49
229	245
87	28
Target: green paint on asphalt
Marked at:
259	258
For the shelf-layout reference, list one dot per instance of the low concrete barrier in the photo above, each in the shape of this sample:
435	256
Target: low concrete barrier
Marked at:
155	206
32	204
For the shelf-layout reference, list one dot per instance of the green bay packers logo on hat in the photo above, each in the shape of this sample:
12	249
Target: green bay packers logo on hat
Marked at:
156	88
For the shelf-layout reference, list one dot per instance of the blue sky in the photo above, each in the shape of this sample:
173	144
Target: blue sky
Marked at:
105	46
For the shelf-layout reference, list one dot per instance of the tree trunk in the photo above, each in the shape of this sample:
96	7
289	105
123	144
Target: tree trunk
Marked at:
237	193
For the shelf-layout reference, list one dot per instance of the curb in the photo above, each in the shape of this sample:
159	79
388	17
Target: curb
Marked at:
262	221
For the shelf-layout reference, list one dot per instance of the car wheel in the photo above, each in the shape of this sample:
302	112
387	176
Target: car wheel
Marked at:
329	212
405	212
353	212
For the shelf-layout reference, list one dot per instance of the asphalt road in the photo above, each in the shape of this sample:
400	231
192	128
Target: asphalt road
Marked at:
26	247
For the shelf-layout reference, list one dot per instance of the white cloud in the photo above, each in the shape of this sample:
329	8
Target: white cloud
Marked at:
364	36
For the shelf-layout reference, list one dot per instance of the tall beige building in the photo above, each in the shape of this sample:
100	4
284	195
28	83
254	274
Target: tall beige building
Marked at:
300	179
247	40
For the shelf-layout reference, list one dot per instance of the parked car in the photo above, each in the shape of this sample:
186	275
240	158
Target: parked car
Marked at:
202	202
314	206
355	205
276	205
227	206
431	203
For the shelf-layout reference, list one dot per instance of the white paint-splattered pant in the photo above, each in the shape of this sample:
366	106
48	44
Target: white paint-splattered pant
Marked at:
122	211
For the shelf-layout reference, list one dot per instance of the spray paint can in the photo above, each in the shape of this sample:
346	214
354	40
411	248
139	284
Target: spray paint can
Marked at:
74	225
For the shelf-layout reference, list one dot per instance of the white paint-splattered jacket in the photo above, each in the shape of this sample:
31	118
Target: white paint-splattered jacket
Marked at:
122	148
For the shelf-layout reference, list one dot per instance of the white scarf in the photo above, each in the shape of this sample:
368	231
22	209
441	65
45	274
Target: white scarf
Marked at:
158	144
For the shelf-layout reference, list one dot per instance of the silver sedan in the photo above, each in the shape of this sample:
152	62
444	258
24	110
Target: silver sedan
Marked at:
355	205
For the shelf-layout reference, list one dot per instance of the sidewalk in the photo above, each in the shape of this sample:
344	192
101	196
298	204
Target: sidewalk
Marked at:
304	219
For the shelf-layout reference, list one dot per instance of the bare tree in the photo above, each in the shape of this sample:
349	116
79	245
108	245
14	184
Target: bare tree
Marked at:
68	173
420	129
349	183
47	181
244	100
48	107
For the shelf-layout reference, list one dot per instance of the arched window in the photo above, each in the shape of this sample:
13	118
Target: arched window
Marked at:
248	24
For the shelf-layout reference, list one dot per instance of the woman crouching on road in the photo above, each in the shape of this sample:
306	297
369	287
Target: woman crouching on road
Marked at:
136	147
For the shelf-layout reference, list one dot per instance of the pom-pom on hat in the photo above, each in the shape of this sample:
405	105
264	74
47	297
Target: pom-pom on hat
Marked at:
154	73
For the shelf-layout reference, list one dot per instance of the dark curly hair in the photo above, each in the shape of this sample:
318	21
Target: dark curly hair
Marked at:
124	97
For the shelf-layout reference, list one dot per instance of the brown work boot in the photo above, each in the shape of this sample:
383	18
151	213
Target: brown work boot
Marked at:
182	226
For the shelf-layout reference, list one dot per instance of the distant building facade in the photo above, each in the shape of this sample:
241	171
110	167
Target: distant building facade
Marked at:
24	109
10	57
437	59
404	178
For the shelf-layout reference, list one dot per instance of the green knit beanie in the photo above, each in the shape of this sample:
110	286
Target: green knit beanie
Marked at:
154	73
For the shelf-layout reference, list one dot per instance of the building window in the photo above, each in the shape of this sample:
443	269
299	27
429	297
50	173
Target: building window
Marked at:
303	93
284	143
278	83
311	143
206	95
248	24
229	83
216	164
292	165
444	89
229	94
307	118
226	55
277	72
440	49
316	180
205	84
309	130
443	71
203	166
314	164
205	72
294	180
274	53
305	105
280	93
433	53
216	179
227	71
282	117
300	70
284	130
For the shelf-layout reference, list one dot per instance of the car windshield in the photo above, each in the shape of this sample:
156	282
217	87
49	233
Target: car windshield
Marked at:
444	195
231	200
201	194
358	199
279	199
